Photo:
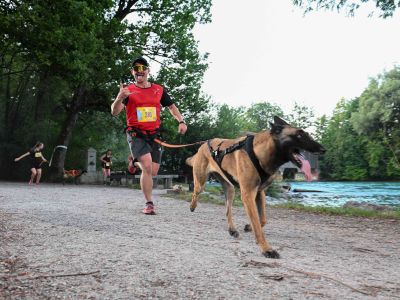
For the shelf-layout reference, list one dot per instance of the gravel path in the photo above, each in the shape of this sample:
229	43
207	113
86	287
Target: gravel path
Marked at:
93	242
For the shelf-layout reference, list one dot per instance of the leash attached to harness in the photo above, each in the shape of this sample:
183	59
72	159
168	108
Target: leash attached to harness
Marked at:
247	145
154	136
177	146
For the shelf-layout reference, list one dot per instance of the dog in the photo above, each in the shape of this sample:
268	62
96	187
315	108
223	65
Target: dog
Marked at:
250	163
74	174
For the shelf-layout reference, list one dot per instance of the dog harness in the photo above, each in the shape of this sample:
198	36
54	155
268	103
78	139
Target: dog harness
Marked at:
247	145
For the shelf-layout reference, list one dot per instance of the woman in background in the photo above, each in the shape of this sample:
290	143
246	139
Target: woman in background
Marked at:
37	159
106	163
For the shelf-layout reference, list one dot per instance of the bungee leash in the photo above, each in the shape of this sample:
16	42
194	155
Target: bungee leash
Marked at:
177	146
154	136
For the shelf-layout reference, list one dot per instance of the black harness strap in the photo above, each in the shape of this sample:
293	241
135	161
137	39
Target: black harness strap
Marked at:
250	151
247	143
218	156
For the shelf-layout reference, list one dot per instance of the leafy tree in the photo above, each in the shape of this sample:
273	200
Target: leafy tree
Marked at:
321	125
343	159
385	8
228	122
378	118
301	116
78	51
259	115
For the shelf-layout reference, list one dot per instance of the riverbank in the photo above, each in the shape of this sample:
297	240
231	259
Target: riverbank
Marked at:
80	242
214	194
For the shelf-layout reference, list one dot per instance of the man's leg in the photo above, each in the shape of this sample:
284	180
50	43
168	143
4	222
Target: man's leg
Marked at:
146	179
155	168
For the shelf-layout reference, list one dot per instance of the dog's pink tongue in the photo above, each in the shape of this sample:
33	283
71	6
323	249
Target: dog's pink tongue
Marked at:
305	168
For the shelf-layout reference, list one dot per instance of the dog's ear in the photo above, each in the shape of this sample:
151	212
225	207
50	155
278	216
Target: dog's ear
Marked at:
276	129
279	121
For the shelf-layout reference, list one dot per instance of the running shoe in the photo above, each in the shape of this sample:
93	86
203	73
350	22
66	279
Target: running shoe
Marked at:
149	209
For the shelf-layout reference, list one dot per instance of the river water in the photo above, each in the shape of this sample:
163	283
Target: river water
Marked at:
338	193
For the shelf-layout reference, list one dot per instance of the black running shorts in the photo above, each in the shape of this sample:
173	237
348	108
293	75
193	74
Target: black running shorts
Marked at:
139	146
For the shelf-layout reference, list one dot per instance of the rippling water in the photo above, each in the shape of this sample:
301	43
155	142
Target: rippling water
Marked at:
338	193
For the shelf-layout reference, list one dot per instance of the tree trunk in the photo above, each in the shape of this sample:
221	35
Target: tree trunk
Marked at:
58	159
41	96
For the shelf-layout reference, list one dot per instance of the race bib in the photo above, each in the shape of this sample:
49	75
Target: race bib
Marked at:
107	164
38	154
146	114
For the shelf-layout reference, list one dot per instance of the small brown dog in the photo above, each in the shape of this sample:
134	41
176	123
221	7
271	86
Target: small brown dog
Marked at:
74	174
250	162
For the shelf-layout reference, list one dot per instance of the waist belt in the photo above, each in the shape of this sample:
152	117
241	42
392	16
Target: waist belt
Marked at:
148	135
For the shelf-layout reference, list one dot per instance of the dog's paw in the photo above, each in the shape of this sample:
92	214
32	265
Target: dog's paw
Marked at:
234	233
271	254
247	228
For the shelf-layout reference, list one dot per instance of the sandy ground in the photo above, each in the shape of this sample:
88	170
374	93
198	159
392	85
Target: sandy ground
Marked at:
93	242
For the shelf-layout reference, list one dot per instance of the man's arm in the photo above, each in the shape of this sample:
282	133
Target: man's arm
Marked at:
117	106
177	115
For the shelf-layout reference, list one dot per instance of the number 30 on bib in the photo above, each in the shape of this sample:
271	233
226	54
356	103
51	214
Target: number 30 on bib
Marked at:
146	114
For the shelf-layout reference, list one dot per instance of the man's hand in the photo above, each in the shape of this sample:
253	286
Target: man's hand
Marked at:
117	105
182	128
124	92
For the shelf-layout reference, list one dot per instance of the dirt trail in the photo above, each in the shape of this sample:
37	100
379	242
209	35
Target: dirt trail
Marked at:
92	242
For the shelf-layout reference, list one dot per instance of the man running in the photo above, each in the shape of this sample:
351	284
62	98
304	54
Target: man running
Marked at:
142	101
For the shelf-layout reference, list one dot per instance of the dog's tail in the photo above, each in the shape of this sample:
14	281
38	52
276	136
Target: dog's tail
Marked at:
190	160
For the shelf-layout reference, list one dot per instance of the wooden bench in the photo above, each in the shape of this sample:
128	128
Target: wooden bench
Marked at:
119	175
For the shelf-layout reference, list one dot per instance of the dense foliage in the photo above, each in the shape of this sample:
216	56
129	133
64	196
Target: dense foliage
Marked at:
363	134
61	63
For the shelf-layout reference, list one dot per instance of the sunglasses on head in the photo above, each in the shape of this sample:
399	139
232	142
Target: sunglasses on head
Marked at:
140	68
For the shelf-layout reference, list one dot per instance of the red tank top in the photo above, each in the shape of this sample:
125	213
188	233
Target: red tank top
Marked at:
143	107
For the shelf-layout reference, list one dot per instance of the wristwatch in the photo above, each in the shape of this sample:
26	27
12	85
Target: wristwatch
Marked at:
182	122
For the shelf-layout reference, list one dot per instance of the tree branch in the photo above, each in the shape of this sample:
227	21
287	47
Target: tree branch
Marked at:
124	9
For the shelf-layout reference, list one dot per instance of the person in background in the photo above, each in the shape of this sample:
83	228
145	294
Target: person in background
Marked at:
133	165
106	162
36	160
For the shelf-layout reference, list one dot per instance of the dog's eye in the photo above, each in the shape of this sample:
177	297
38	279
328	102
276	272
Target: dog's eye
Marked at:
300	134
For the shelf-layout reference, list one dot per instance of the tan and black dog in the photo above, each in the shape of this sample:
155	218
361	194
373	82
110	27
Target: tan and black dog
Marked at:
250	163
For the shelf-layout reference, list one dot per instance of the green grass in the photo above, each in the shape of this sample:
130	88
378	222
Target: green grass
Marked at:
215	195
343	211
211	194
